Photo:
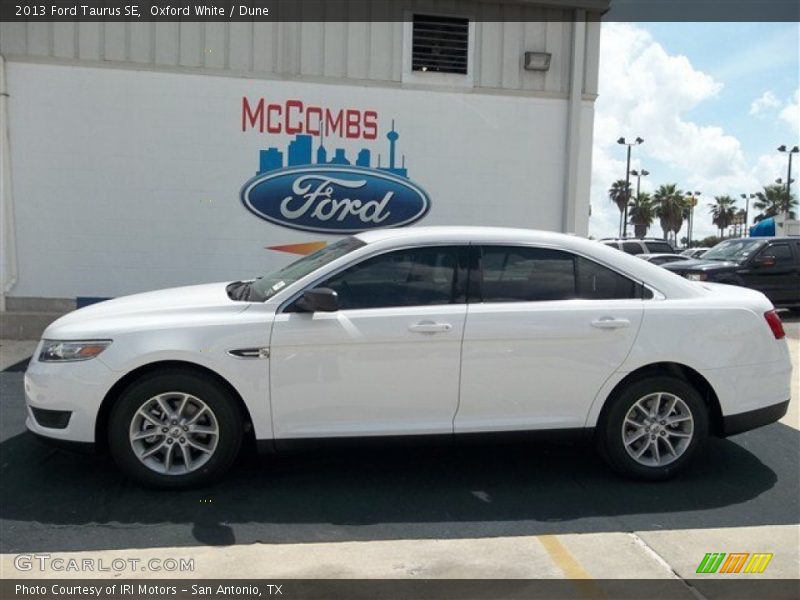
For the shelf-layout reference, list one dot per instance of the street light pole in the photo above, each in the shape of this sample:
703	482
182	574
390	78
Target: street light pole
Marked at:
692	204
794	150
627	195
747	198
636	142
639	175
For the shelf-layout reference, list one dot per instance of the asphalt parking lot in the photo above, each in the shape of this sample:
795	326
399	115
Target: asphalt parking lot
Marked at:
54	501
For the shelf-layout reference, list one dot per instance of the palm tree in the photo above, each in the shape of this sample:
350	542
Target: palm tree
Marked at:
670	208
641	212
722	213
619	195
774	201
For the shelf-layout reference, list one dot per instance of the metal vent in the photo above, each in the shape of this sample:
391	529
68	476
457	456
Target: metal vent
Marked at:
440	44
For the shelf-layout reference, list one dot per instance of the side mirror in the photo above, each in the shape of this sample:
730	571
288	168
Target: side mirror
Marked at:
319	300
765	261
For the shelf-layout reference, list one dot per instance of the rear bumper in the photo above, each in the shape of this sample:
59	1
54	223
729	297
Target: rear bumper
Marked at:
752	419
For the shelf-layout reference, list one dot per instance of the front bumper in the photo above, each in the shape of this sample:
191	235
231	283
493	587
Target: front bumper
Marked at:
77	388
752	419
77	447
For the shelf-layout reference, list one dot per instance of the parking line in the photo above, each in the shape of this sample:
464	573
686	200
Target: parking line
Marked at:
571	568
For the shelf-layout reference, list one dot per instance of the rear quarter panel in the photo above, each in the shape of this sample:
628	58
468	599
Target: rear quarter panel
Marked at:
724	337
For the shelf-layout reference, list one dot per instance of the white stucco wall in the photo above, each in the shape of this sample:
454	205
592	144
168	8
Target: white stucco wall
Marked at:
129	180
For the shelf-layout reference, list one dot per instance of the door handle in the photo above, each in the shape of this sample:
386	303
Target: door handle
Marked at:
610	323
430	327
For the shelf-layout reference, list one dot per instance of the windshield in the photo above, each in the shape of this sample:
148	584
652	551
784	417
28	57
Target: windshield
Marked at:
733	250
267	286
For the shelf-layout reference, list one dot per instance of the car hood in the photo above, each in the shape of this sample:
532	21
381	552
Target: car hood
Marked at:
150	309
696	264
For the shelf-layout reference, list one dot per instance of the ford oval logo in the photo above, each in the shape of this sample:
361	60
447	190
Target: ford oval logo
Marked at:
335	199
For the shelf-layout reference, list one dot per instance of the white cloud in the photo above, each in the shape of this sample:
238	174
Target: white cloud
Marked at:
764	102
791	113
647	92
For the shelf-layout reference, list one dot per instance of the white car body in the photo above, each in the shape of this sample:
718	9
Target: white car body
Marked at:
514	366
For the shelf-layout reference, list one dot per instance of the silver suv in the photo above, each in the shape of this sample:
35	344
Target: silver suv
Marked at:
640	245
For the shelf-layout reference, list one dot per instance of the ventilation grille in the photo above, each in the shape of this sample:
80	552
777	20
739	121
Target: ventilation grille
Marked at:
440	44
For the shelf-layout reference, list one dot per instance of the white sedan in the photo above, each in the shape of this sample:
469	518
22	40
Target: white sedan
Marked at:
415	332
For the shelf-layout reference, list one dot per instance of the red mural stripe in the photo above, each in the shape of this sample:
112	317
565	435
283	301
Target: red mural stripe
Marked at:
303	249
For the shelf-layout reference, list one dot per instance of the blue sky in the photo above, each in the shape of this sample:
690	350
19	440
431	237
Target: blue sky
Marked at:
694	87
748	58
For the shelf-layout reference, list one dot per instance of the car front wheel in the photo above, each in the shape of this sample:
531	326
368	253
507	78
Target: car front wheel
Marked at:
653	427
175	429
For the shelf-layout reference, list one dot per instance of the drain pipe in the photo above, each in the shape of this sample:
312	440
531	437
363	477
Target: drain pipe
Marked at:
8	240
574	109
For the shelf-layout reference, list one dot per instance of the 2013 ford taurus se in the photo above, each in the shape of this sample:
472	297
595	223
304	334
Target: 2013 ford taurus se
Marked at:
415	332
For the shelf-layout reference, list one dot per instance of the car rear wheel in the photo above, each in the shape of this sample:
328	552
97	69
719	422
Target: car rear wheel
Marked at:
653	427
175	429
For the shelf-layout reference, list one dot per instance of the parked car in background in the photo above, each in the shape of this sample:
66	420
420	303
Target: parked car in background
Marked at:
372	337
769	265
640	245
662	259
694	252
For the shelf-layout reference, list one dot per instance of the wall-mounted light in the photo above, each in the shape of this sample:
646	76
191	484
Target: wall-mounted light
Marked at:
537	61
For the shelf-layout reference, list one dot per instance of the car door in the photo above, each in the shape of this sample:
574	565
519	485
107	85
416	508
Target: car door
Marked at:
545	329
387	362
778	281
794	298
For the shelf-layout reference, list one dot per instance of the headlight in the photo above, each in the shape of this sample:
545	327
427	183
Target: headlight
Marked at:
58	351
696	276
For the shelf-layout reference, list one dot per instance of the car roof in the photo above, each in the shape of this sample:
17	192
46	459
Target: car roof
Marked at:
464	233
634	239
657	254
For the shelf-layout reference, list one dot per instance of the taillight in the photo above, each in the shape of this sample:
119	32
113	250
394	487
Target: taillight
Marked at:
774	322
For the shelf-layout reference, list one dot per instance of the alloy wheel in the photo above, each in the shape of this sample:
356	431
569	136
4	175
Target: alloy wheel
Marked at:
174	433
657	429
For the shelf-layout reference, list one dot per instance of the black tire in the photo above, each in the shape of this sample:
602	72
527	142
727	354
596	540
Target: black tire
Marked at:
610	427
224	408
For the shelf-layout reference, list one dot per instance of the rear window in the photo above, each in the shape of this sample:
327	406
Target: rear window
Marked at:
658	247
632	248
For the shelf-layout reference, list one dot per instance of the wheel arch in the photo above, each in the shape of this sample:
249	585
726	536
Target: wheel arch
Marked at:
101	423
685	372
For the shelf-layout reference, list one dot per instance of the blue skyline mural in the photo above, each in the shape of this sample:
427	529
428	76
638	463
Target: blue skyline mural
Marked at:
300	152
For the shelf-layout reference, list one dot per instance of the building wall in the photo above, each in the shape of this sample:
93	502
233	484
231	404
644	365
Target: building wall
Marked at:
128	148
126	181
366	51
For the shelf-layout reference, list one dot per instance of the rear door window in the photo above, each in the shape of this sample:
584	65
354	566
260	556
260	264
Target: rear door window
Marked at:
518	274
522	274
596	282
